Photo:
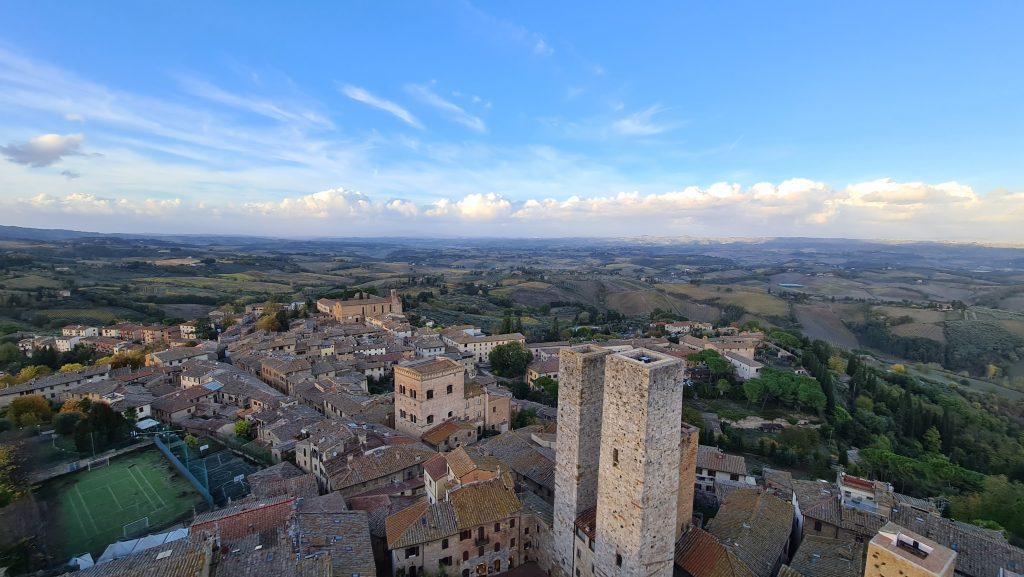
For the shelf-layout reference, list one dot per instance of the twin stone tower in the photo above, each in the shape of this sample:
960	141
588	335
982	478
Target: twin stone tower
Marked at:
620	447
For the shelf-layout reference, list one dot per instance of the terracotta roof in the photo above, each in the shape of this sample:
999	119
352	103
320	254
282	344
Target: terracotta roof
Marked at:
436	466
713	459
699	554
755	526
182	558
467	506
824	557
440	433
376	464
463	462
249	518
419	523
587	522
483	502
526	458
429	367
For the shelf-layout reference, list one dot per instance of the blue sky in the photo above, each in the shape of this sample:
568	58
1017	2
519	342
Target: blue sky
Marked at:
515	119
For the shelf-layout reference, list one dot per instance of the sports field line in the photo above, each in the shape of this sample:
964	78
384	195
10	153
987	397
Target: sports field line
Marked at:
78	516
142	489
85	509
114	496
163	504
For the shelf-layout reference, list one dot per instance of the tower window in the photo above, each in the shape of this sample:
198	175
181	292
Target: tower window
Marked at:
615	457
618	560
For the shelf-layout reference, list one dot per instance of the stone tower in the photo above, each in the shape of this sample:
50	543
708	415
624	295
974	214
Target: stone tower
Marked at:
638	496
688	441
581	378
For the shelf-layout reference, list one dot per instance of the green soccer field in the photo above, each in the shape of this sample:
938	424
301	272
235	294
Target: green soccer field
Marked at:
89	509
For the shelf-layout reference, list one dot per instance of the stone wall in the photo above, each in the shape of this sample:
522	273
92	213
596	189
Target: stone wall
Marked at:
689	439
638	496
581	379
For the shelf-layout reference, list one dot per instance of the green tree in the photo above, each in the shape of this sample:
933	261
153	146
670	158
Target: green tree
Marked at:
932	440
1001	501
192	441
64	423
548	385
723	386
510	360
12	484
29	410
524	418
71	367
243	429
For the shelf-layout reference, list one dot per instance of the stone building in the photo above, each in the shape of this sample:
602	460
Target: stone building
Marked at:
432	391
897	552
427	393
638	487
622	496
580	398
363	305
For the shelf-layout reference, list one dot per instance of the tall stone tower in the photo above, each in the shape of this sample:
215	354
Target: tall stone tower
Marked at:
638	496
581	378
689	439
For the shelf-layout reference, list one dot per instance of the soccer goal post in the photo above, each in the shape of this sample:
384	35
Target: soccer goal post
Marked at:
98	463
136	528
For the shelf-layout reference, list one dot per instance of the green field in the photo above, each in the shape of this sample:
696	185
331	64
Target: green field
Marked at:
89	509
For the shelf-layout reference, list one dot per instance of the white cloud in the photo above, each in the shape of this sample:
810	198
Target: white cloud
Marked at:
256	105
641	123
84	204
472	207
451	110
323	204
360	95
43	150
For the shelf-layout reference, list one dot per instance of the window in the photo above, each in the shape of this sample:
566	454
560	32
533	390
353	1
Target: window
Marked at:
412	552
448	390
402	412
412	418
512	523
449	414
402	389
512	543
734	477
465	555
444	543
445	561
817	525
497	546
618	560
430	419
615	457
497	565
430	394
497	527
527	545
412	393
526	531
463	535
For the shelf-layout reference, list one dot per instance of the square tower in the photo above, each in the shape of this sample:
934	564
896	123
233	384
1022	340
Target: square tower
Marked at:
638	493
581	377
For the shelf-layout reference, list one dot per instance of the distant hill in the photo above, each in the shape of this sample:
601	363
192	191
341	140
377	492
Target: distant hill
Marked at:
23	233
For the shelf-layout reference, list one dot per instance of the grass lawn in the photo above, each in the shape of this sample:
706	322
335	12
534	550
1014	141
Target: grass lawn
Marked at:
90	508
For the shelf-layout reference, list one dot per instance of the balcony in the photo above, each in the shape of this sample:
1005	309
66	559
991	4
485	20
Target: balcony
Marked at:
481	541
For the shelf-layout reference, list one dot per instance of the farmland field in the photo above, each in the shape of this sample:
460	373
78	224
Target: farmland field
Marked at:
822	322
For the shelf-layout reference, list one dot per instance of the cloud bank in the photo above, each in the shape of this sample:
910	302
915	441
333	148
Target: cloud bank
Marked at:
882	208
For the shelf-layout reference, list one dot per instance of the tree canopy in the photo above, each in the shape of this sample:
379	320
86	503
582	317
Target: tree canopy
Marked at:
510	360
